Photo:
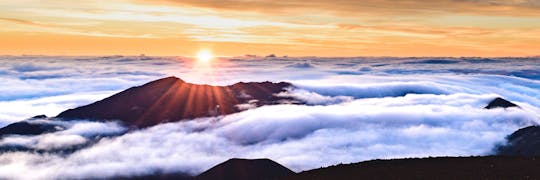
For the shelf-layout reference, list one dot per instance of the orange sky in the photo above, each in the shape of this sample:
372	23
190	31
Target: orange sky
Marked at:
294	27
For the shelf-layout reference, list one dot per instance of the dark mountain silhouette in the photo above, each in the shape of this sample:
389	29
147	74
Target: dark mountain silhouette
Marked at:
524	142
28	128
171	99
246	169
500	103
489	167
39	117
157	176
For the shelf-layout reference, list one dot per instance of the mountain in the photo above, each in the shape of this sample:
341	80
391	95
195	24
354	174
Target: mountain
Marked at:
524	142
246	169
171	99
489	167
500	103
31	126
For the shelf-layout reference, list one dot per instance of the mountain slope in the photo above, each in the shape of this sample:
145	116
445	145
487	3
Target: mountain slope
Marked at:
171	99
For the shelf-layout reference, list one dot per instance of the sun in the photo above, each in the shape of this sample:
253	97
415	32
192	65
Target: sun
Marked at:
204	56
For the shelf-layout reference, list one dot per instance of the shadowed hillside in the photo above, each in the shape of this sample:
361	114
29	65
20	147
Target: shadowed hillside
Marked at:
524	142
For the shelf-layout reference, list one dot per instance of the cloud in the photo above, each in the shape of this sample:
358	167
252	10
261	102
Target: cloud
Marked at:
304	65
77	133
371	6
365	69
312	98
420	31
25	22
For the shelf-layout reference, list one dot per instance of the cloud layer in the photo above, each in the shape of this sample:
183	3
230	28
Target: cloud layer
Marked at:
357	109
300	137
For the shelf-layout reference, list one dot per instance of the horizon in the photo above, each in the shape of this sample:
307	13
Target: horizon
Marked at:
253	56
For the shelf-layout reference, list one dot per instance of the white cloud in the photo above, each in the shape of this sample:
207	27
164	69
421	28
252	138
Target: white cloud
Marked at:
49	141
75	133
401	107
312	98
300	137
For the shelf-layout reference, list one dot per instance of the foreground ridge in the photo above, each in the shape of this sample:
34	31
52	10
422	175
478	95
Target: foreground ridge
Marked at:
488	167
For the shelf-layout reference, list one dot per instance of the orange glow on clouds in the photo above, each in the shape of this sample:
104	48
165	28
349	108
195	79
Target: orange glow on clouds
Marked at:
294	28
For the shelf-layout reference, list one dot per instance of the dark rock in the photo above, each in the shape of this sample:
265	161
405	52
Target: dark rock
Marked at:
28	128
523	142
490	167
171	99
240	169
500	103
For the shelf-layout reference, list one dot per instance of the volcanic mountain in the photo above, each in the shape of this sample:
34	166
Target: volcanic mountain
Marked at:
171	99
247	169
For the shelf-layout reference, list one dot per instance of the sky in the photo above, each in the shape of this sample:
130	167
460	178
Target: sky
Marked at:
356	109
293	28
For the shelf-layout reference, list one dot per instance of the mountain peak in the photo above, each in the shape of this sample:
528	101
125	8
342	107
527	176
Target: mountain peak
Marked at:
500	103
240	169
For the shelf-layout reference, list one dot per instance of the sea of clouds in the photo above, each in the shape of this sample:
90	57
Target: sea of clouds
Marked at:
357	109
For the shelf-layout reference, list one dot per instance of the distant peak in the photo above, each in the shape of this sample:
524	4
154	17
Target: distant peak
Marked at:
500	103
